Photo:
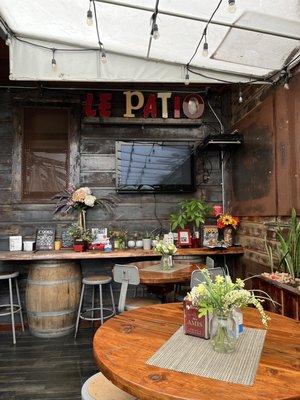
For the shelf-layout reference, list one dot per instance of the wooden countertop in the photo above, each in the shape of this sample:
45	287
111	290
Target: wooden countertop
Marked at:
68	254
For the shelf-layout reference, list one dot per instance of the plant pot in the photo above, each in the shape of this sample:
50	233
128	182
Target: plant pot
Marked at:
131	244
287	296
139	244
79	247
147	244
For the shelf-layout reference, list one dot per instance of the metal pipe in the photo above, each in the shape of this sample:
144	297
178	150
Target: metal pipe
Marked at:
199	19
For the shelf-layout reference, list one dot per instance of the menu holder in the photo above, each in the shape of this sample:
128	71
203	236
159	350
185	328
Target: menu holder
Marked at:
67	239
194	325
45	238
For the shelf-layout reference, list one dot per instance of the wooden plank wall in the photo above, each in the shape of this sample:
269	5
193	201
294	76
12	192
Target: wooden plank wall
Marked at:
97	170
93	165
265	187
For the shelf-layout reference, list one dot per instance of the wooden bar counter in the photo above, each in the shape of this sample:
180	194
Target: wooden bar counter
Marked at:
68	254
54	281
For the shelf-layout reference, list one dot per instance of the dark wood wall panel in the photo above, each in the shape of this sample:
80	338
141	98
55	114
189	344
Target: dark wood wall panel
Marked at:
253	165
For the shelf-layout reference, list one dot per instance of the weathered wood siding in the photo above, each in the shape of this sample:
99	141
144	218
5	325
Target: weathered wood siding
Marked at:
266	170
96	169
92	164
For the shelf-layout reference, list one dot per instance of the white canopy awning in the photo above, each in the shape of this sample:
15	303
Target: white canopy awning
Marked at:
235	55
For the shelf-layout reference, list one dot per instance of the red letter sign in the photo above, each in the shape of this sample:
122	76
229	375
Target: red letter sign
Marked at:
150	107
89	112
104	104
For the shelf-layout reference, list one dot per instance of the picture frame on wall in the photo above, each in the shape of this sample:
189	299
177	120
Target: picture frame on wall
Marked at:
210	235
184	238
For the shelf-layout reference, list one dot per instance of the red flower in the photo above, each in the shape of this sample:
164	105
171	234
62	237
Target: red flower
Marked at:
220	224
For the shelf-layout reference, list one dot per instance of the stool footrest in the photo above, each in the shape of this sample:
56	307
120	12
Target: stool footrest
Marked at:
81	316
16	308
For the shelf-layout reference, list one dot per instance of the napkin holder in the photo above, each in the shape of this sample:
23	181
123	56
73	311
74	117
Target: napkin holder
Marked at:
193	324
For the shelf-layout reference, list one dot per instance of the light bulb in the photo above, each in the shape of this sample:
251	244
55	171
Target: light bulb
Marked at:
187	79
205	49
286	86
155	33
53	63
89	18
103	58
241	99
8	41
231	6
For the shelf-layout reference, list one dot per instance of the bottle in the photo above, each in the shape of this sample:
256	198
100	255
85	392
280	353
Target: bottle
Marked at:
238	317
108	247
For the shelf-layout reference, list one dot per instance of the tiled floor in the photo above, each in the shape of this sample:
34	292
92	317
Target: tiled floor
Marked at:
45	369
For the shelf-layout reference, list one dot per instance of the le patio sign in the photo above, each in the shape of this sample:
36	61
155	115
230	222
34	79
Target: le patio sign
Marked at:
154	105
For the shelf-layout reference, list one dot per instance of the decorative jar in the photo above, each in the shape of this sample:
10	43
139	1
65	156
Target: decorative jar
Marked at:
227	232
166	262
223	332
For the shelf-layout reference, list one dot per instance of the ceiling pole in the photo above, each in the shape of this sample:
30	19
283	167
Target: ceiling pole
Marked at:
194	18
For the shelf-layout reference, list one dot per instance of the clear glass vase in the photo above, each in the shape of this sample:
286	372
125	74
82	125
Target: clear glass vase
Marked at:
223	332
166	262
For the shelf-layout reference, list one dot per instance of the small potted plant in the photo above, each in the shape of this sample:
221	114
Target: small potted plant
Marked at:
82	237
147	241
191	213
118	238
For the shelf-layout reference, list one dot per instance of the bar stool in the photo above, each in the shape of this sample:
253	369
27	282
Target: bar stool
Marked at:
14	308
95	280
97	387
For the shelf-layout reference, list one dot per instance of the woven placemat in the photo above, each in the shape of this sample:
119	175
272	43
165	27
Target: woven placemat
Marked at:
195	356
157	268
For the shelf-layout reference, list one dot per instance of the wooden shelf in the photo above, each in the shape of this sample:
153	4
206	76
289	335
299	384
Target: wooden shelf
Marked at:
141	121
68	254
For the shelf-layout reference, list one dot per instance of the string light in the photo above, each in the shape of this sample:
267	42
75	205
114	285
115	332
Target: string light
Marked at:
154	32
231	6
8	40
205	44
187	79
103	57
89	16
240	95
53	62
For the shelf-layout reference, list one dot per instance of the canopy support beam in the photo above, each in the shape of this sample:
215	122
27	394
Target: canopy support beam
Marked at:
199	19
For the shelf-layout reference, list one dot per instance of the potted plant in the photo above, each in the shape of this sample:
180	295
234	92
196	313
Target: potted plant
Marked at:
82	237
283	280
147	241
118	237
191	213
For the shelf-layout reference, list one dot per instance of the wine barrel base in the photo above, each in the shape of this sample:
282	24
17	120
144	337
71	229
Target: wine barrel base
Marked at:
52	297
53	333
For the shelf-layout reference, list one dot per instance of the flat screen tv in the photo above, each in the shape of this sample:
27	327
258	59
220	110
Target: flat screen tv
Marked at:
154	167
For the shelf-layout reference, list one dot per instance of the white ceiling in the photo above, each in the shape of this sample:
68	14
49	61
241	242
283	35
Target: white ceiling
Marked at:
125	32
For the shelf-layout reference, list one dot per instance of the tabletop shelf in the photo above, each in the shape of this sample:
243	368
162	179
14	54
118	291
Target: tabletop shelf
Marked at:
69	254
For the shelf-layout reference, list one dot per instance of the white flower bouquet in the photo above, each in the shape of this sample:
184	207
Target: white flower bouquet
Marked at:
165	249
80	199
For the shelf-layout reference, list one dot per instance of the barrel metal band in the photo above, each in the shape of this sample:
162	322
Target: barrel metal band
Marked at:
49	283
51	313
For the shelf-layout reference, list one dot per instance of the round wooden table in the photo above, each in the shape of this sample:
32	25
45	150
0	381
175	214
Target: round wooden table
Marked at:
158	277
124	343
